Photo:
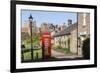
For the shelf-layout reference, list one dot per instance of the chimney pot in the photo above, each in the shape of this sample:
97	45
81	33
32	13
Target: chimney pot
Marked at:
69	22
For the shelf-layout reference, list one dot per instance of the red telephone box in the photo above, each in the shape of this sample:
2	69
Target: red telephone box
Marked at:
46	45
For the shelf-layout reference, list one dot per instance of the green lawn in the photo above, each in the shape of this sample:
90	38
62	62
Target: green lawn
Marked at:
27	55
35	41
27	40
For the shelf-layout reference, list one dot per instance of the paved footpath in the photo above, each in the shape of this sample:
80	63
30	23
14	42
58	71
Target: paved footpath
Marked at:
62	55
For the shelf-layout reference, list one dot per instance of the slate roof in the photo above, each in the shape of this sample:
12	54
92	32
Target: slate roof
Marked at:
67	30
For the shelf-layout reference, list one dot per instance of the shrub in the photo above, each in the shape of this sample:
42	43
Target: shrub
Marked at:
59	47
86	48
56	46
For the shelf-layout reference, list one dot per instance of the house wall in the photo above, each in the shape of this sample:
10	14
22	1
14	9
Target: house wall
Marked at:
83	29
83	24
56	40
66	39
62	41
73	41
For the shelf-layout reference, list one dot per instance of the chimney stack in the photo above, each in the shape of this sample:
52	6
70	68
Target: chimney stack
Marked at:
69	22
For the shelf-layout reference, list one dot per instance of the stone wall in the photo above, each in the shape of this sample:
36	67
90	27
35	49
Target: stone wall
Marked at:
83	29
73	41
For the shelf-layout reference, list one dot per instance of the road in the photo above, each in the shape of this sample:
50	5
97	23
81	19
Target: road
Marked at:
62	55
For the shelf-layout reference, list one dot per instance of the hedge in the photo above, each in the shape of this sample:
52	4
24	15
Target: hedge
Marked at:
86	48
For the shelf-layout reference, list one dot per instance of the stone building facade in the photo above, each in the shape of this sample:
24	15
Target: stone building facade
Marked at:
83	29
26	27
67	38
84	24
73	40
73	36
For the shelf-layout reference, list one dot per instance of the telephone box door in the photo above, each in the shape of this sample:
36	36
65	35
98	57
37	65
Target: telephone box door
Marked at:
46	45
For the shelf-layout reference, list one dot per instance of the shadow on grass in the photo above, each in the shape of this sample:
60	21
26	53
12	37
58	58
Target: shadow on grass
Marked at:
52	59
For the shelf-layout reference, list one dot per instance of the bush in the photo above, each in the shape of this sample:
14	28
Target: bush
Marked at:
59	47
56	46
86	48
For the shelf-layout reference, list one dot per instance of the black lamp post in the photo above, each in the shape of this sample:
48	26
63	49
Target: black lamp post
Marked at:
30	20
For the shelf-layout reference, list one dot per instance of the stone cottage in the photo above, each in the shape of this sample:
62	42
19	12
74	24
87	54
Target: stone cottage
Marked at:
67	38
73	35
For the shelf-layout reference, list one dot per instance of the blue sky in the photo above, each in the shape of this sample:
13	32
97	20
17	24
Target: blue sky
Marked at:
48	16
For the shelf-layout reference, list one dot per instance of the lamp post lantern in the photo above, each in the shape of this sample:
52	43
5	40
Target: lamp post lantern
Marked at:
30	25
